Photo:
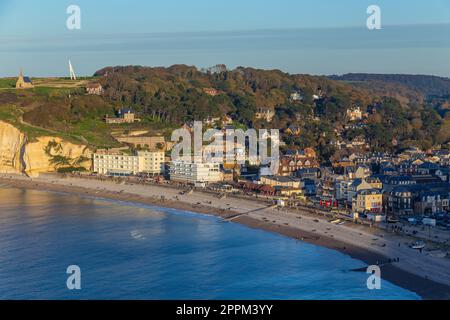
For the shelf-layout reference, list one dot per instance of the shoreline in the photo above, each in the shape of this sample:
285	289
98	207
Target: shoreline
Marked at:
423	286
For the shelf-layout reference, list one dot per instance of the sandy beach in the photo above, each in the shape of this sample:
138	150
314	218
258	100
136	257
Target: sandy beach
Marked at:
420	272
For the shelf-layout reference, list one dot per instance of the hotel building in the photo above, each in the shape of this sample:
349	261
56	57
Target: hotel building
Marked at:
151	161
116	163
195	172
368	201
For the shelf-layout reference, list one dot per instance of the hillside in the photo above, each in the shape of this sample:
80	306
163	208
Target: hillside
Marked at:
166	98
421	84
176	94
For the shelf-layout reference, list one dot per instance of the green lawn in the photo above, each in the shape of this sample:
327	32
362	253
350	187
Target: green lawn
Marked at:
95	131
7	83
9	113
51	91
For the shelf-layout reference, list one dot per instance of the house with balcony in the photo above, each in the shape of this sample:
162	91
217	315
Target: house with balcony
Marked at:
368	201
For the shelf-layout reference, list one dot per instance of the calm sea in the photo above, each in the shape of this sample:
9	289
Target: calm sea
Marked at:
128	251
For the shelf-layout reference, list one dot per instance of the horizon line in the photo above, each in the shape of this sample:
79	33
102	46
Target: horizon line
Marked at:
233	31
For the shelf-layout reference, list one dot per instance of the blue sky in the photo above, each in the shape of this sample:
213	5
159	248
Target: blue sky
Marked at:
298	36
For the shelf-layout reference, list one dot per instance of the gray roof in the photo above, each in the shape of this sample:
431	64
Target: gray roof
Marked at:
281	178
429	165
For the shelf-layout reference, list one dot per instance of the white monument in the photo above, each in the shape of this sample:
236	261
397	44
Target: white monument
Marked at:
72	72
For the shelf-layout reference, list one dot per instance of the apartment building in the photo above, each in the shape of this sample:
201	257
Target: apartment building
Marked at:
121	164
362	184
195	172
115	163
151	161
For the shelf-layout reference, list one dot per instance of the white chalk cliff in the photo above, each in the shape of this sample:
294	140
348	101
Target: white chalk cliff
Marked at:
18	155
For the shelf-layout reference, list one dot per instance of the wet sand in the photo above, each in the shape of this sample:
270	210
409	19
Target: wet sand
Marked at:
410	273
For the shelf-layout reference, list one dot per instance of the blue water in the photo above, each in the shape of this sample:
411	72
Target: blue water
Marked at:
130	251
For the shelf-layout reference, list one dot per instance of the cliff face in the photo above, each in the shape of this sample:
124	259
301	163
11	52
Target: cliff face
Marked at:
12	142
47	154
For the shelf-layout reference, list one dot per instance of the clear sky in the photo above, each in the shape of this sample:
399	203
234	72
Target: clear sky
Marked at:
298	36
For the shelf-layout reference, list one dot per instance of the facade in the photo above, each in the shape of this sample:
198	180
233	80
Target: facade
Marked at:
124	116
362	184
418	199
308	173
280	181
115	163
94	89
431	202
195	172
399	201
24	82
283	186
120	164
368	201
327	187
354	114
407	168
151	162
342	186
392	182
290	164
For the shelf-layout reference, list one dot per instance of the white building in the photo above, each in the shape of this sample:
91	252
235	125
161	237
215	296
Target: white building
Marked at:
151	162
115	163
195	172
296	96
342	186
